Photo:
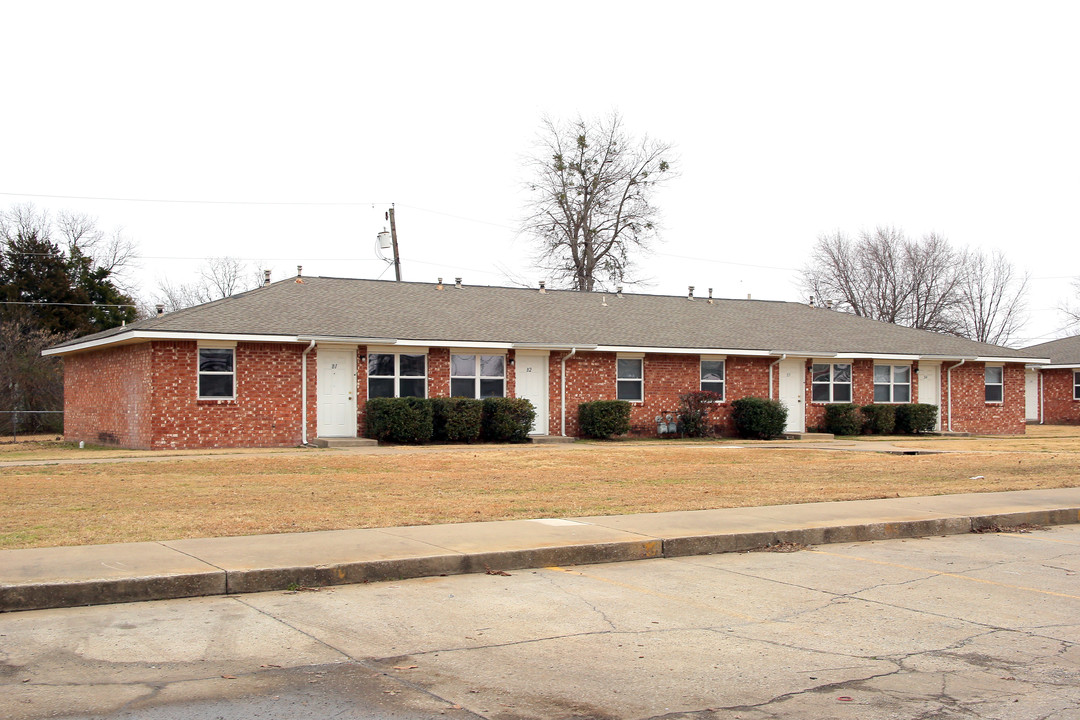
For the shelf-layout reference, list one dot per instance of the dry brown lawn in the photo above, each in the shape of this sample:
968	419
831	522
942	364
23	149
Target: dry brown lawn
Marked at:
182	497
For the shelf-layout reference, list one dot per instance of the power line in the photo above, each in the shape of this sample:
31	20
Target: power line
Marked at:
195	202
34	302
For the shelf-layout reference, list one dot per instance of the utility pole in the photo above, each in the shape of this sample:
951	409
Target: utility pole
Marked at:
393	236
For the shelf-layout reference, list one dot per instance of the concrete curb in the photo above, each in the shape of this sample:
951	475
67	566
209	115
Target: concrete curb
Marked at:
68	577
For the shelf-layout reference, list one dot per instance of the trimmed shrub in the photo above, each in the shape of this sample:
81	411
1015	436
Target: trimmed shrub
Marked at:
507	419
603	418
456	419
842	419
758	418
879	419
694	409
399	420
916	418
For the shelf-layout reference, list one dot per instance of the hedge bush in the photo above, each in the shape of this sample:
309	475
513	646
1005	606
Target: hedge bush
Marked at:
507	419
879	419
916	418
694	409
456	419
604	418
399	420
758	418
842	419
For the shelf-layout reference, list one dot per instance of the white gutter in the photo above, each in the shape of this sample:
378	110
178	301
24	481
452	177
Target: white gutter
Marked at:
303	393
948	374
782	358
562	389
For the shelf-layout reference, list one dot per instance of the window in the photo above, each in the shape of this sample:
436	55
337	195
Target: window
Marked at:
830	382
892	383
217	373
995	383
397	375
477	376
630	380
1076	385
712	376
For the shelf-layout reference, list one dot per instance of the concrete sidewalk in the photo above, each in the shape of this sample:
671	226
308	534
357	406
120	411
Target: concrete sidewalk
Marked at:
127	572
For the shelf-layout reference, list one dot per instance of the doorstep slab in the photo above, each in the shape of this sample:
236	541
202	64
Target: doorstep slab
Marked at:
40	578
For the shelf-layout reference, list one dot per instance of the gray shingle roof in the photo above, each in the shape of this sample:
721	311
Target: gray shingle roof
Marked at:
350	308
1065	351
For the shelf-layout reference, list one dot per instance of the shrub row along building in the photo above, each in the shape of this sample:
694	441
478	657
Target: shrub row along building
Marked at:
297	359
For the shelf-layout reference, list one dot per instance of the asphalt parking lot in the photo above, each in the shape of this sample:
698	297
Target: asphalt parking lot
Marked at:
963	626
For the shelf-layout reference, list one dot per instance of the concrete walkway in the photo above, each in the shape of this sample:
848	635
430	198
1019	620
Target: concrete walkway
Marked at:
127	572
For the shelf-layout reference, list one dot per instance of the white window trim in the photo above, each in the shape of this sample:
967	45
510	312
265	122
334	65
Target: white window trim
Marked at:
832	382
476	377
892	384
641	381
988	384
714	358
212	345
1076	384
398	352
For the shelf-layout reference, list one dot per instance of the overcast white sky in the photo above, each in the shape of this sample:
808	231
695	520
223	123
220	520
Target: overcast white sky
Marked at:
790	119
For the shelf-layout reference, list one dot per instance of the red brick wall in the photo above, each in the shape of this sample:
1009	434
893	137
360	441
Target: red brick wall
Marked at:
1058	406
265	413
971	412
592	376
107	396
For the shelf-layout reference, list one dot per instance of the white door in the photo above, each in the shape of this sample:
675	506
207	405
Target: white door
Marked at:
531	372
1031	395
792	393
336	392
930	387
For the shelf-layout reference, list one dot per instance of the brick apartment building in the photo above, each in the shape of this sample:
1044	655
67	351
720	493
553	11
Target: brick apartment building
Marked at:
1053	390
297	359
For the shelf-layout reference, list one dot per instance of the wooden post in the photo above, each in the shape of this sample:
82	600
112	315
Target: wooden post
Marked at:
393	236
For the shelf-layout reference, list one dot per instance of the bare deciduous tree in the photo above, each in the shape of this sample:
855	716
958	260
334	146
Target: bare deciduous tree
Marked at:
1071	308
991	307
591	199
925	283
218	278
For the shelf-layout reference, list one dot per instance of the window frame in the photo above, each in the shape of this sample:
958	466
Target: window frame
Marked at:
723	375
477	377
892	384
987	384
1076	384
397	376
640	381
199	372
831	384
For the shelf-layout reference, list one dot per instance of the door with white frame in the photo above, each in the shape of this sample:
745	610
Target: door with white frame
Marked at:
531	373
793	393
1031	395
930	387
336	382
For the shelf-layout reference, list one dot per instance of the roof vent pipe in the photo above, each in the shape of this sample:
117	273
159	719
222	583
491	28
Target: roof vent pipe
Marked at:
457	283
299	270
710	296
690	294
160	309
266	277
618	291
440	285
812	301
543	287
747	296
828	304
